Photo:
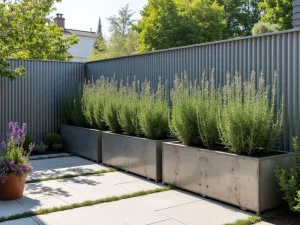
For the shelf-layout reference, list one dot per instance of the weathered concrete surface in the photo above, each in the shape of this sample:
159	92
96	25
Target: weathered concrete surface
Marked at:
141	156
82	141
243	181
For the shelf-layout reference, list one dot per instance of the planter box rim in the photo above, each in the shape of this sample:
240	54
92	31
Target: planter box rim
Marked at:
177	143
140	138
81	127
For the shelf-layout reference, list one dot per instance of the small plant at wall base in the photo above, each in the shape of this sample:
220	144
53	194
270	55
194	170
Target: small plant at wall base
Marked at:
289	181
154	112
53	141
248	122
14	163
184	111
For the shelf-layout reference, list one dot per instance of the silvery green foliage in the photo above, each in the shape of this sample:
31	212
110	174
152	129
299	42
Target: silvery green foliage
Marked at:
183	122
112	105
208	104
154	112
72	108
88	103
99	100
248	122
129	108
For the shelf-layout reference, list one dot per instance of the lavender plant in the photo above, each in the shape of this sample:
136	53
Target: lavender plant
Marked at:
248	122
13	159
154	112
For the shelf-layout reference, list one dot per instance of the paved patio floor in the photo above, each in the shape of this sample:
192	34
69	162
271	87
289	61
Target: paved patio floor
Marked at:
173	207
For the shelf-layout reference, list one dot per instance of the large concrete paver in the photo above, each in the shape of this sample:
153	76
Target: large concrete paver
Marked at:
61	166
264	223
165	208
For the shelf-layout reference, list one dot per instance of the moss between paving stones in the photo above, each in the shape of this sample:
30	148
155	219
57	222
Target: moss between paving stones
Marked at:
82	204
71	175
251	220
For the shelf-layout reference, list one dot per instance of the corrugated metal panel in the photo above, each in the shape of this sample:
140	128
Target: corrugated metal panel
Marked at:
267	53
36	98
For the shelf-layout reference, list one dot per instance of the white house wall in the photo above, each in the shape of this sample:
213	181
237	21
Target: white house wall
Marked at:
83	49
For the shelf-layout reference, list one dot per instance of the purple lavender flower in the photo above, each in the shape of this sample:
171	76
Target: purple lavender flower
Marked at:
11	126
12	166
24	128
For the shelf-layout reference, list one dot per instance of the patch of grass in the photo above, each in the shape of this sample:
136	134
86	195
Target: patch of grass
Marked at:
71	175
251	220
82	204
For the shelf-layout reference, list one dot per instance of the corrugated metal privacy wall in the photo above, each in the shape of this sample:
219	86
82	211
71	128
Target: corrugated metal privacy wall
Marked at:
267	53
36	98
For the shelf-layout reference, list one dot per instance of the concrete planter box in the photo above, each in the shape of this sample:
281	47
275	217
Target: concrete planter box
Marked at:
243	181
82	141
137	155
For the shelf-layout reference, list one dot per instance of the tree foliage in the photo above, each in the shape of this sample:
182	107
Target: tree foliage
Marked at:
278	12
240	17
26	31
122	41
262	27
172	23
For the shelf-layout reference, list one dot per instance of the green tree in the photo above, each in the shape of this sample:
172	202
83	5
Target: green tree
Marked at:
173	23
123	40
240	15
121	24
26	31
100	43
278	12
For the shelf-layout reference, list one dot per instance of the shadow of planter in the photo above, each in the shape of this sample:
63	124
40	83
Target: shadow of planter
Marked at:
82	141
247	182
141	156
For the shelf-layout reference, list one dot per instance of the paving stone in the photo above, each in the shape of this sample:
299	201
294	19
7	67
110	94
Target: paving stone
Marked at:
140	185
204	213
169	222
61	166
34	157
25	221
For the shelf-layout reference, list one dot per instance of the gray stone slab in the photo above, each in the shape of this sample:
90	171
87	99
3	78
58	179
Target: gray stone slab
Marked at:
61	166
175	208
47	156
26	221
204	212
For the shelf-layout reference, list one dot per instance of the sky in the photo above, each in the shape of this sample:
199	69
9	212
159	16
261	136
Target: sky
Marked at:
84	14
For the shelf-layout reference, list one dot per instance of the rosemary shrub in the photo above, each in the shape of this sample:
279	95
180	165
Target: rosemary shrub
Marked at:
129	107
154	112
99	101
112	105
208	105
183	122
248	122
72	108
88	103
